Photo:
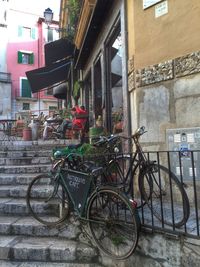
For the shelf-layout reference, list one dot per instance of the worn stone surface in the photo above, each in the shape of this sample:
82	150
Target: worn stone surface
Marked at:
153	111
155	73
131	81
188	64
131	64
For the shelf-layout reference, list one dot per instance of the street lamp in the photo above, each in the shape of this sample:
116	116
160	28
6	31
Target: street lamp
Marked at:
48	16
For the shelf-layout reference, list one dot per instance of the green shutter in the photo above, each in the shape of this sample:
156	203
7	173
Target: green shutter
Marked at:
31	59
33	33
20	29
19	60
26	89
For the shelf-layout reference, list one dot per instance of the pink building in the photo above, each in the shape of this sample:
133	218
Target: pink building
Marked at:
25	51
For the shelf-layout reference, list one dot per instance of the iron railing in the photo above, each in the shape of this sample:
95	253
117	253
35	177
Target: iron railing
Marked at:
185	165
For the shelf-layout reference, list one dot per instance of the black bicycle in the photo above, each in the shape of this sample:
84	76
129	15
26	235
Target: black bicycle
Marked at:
147	182
109	214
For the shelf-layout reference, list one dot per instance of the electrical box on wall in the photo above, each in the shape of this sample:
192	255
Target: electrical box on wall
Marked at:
181	142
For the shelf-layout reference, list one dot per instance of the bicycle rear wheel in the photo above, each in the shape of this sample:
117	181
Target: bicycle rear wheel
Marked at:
165	195
47	201
113	223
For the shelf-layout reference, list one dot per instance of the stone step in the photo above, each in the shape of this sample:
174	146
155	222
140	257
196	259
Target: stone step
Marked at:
35	145
38	168
28	226
16	179
46	249
19	154
4	263
24	161
13	206
18	191
17	206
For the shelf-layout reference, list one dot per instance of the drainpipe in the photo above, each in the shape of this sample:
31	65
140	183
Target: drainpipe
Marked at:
124	7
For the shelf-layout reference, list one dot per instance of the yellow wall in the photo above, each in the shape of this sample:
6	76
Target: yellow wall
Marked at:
152	40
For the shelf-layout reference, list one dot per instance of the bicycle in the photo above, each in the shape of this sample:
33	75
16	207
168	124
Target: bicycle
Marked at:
109	214
148	182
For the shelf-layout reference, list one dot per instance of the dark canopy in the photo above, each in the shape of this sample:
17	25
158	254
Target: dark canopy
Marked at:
49	75
58	50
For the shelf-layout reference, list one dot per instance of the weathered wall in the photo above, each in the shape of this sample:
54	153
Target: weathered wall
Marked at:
5	100
166	96
153	40
164	67
161	251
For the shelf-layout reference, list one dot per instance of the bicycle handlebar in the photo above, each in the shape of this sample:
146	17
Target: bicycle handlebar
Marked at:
108	140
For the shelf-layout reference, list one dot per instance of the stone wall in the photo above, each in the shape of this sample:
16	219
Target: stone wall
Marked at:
167	96
158	250
178	67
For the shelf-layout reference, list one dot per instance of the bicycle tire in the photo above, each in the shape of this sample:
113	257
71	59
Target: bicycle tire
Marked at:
46	200
113	223
165	195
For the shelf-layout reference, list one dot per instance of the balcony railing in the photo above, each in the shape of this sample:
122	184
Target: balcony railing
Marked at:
5	77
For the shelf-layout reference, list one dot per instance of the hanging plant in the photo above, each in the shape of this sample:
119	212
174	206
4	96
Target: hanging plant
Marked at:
77	89
73	7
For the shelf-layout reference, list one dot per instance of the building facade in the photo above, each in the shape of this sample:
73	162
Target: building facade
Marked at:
163	71
25	35
5	76
139	65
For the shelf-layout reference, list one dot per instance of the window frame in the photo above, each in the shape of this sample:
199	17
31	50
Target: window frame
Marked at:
21	88
30	55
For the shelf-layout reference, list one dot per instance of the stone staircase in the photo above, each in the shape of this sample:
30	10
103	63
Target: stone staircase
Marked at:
23	240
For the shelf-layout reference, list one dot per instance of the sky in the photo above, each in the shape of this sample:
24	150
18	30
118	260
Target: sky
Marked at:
37	6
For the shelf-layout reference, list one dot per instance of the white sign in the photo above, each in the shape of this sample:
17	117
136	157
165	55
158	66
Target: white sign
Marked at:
161	9
148	3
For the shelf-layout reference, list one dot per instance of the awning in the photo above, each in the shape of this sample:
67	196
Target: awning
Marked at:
49	75
58	50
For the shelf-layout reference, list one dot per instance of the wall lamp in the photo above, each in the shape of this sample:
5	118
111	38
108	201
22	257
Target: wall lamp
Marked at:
48	17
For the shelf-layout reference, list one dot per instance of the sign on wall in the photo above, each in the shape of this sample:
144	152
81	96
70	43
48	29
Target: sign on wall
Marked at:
161	9
148	3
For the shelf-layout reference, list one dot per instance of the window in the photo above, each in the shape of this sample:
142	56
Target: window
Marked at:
98	89
114	101
26	32
26	106
25	57
50	35
25	88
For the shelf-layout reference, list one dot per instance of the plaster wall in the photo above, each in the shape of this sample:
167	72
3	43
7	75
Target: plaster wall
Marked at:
5	100
173	104
153	40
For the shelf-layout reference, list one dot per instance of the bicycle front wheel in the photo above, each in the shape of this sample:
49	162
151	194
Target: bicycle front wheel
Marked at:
165	195
113	223
47	201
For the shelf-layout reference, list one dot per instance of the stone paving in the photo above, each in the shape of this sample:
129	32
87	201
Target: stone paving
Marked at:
23	240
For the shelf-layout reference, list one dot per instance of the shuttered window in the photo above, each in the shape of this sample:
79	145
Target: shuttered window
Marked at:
25	57
25	88
26	32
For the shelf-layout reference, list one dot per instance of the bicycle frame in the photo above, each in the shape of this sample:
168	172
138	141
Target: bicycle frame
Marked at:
76	185
137	157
